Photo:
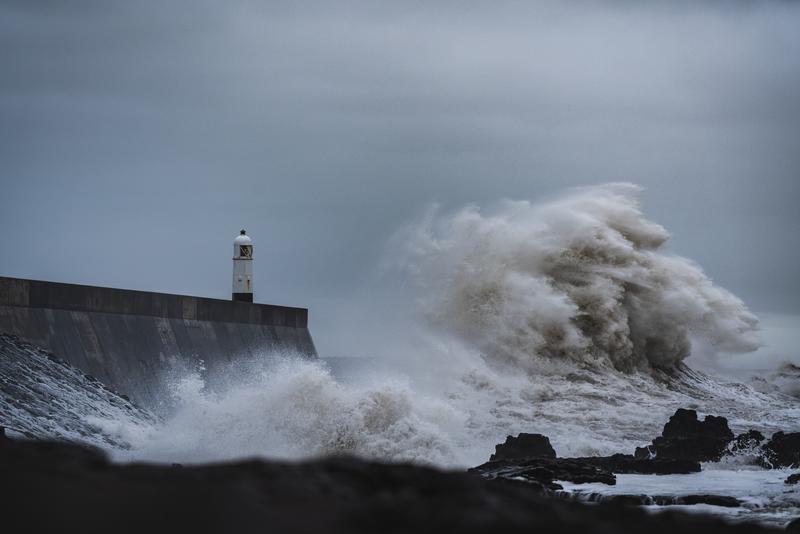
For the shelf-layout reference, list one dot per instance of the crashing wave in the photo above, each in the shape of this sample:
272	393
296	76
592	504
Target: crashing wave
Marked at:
583	278
785	380
564	295
294	408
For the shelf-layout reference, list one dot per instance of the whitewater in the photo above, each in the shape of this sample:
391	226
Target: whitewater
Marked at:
568	318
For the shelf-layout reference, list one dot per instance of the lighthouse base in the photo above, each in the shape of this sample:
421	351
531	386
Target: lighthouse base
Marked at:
242	297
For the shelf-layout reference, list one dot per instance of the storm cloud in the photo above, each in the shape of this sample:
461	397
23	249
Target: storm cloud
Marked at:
137	138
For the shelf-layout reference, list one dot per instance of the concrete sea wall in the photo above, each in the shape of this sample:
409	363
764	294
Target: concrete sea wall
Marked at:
131	340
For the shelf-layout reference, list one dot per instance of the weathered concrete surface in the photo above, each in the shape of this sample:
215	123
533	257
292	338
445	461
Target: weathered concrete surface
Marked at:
74	297
130	339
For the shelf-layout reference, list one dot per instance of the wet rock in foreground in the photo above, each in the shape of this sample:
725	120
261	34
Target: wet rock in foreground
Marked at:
64	488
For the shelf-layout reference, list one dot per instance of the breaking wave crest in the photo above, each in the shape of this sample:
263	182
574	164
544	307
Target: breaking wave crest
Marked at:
294	408
584	278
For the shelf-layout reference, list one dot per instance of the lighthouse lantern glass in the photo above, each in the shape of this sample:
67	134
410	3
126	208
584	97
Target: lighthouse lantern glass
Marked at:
246	251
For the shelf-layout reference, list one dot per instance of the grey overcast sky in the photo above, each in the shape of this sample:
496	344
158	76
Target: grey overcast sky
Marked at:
137	138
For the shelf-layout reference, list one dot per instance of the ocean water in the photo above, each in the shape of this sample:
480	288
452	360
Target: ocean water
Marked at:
296	409
569	318
764	495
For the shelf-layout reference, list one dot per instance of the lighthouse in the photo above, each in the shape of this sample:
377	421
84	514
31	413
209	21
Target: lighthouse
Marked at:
243	268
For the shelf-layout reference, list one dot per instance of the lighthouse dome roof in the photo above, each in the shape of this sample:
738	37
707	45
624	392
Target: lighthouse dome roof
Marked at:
242	239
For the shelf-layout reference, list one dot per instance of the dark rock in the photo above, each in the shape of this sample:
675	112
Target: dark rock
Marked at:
783	450
531	458
793	526
524	446
62	488
663	500
686	438
658	500
628	500
624	464
644	453
545	471
714	500
533	486
684	424
747	441
794	478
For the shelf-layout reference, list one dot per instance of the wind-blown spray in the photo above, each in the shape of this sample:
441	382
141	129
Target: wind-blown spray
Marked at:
584	278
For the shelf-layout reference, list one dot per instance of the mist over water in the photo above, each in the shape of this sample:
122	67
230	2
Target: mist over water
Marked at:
566	318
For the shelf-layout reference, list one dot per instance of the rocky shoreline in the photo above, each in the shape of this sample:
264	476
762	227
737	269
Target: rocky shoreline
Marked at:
65	487
684	443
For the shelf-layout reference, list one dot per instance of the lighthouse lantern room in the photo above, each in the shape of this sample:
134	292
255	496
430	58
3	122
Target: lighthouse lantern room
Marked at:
243	268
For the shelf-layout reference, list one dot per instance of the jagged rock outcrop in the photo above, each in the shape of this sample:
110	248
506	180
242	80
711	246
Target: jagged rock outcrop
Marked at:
531	458
685	437
782	450
544	471
794	478
524	446
746	442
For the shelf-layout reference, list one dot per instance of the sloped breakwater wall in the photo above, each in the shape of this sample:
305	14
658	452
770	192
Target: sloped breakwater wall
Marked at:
130	340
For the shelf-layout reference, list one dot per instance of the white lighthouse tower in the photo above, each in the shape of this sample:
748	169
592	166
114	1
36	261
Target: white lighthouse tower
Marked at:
243	268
